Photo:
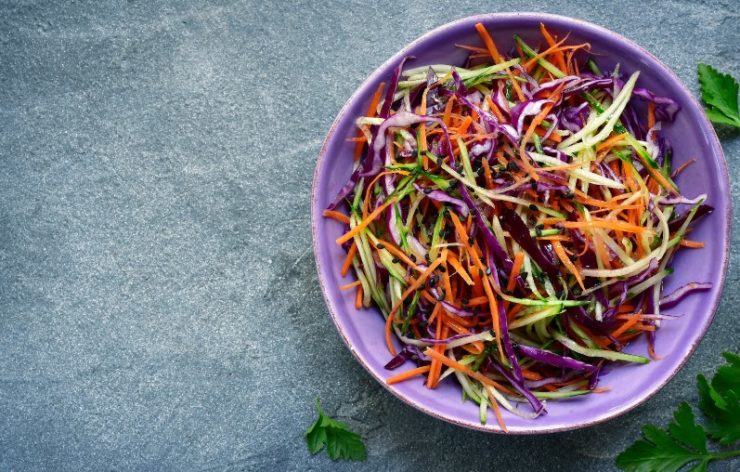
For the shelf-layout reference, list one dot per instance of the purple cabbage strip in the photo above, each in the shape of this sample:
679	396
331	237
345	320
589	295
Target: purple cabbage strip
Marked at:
385	110
549	380
347	189
623	287
501	102
372	166
703	210
547	357
440	196
594	380
525	109
574	118
402	119
588	85
488	118
491	242
681	200
478	149
443	341
599	327
674	298
511	222
409	352
537	405
506	345
571	80
665	108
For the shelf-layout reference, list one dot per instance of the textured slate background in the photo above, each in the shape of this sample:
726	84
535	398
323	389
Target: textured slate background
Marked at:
159	302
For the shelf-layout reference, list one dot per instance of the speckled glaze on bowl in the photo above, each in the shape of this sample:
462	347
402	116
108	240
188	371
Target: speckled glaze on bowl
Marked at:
692	136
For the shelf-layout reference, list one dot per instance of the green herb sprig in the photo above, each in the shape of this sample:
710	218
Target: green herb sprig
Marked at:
684	442
719	92
340	442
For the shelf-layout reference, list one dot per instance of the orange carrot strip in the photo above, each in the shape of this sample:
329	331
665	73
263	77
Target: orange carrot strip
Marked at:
611	142
465	370
463	128
495	110
396	252
335	215
412	288
553	48
682	167
488	41
348	260
691	244
494	311
409	374
365	222
626	325
471	48
350	285
651	115
515	270
460	270
368	190
371	111
606	224
560	252
436	366
530	375
528	135
496	411
487	173
448	110
423	127
559	57
358	298
477	301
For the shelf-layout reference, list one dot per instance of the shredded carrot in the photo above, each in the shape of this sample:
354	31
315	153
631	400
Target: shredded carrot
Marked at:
515	270
560	252
497	411
341	217
358	298
691	244
409	374
371	111
396	252
683	167
626	325
349	285
465	370
559	57
363	224
412	288
348	260
460	270
611	142
488	41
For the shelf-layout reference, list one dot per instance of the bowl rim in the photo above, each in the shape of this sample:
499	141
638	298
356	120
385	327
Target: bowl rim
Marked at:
589	28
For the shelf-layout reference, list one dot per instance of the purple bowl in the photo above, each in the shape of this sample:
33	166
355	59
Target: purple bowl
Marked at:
692	136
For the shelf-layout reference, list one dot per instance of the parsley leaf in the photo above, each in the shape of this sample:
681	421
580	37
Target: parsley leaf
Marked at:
683	445
720	401
340	443
684	442
720	93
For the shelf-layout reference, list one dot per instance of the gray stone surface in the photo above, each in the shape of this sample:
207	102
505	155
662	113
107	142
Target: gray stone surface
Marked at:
159	302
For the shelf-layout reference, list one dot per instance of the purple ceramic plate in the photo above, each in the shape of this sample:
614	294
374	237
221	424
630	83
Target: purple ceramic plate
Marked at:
692	136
